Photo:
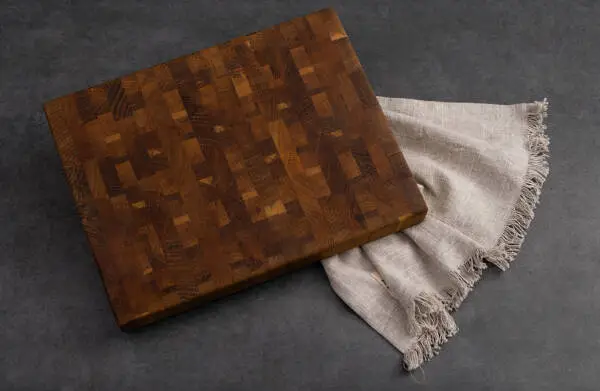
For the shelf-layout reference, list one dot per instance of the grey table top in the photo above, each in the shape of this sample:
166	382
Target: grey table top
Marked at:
535	327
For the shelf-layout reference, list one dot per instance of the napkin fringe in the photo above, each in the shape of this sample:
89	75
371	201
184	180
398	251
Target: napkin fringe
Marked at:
435	327
432	313
537	170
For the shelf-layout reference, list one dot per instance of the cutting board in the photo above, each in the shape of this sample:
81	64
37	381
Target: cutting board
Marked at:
217	170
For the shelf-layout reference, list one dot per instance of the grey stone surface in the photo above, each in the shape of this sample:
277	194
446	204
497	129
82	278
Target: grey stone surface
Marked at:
535	327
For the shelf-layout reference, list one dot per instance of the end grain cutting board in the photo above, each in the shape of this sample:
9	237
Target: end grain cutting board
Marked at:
220	169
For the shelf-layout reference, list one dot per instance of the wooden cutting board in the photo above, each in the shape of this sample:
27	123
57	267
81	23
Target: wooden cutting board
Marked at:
223	168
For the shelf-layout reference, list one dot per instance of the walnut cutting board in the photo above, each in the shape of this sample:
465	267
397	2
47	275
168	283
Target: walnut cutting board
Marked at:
220	169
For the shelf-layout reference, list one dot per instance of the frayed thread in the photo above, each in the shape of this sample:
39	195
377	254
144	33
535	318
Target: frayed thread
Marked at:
435	327
433	322
514	233
464	280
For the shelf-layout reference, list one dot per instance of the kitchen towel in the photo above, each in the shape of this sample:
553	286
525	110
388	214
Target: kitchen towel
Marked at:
481	168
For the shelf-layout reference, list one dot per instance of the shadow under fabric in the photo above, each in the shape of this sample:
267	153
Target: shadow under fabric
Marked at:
481	168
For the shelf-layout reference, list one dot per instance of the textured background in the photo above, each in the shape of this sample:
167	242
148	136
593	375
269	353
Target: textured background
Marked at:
534	327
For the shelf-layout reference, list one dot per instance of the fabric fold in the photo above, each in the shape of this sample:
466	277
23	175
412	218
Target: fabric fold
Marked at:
481	169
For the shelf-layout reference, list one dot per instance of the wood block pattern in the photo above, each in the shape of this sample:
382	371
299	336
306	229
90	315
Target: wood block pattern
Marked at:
220	169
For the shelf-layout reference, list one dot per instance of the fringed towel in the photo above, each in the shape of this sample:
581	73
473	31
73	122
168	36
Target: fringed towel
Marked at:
480	168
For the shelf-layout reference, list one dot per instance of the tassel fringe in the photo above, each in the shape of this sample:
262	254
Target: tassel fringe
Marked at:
432	319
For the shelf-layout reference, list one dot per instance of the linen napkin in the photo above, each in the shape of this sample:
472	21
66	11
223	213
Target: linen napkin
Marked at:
481	168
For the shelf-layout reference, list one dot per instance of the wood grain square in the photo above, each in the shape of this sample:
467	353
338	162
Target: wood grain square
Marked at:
193	151
322	105
126	174
349	165
241	85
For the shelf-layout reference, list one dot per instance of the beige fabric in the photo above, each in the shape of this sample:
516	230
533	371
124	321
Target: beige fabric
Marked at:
480	168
